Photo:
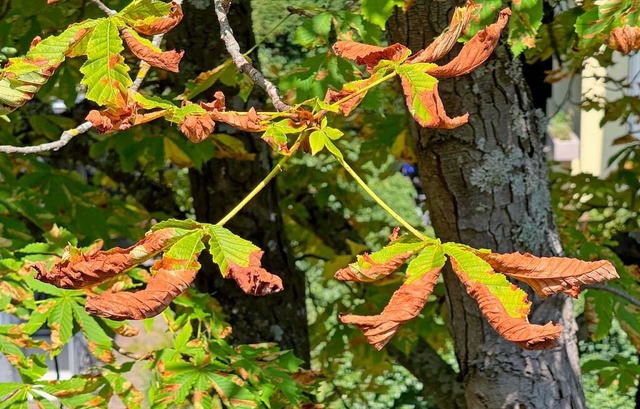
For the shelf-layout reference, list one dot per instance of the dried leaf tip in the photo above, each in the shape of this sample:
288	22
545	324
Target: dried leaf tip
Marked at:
253	279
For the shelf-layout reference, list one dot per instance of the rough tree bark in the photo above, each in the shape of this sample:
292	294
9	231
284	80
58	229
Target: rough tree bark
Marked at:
221	184
486	186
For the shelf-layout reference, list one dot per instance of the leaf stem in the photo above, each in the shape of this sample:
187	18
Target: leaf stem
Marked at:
381	202
263	183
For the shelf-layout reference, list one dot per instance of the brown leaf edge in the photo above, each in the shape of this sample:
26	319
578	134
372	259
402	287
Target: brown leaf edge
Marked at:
517	330
253	279
405	304
445	41
78	270
375	272
551	275
167	60
172	277
369	55
475	51
161	25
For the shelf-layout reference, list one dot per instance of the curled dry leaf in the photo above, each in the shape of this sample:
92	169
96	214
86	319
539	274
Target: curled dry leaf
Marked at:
430	99
551	275
218	103
625	39
197	127
475	51
171	279
405	304
512	324
251	121
369	55
373	270
253	279
162	25
445	41
348	89
167	60
78	270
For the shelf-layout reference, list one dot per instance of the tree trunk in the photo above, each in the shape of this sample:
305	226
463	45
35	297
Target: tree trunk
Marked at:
221	184
486	186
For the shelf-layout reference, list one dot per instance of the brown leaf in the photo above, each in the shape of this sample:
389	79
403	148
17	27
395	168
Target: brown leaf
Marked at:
171	279
551	275
514	329
78	270
197	128
254	279
437	115
161	25
52	1
218	103
625	39
445	41
405	304
168	60
250	121
475	51
369	55
375	271
348	89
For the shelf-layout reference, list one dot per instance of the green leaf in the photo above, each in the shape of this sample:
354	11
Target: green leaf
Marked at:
100	344
226	247
276	133
8	387
105	73
315	32
430	258
316	141
60	321
378	11
186	224
144	12
599	309
187	249
415	81
54	48
322	138
524	24
183	337
513	298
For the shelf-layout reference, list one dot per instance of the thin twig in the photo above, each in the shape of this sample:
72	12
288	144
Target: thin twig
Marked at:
615	291
226	34
104	8
50	146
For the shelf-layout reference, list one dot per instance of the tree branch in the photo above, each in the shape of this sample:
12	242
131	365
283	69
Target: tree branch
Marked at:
615	291
226	34
104	8
439	380
50	146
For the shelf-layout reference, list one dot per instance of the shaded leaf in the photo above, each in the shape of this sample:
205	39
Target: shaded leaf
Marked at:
172	275
504	305
551	275
475	52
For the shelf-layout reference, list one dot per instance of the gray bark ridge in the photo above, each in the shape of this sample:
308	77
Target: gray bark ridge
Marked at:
486	186
222	183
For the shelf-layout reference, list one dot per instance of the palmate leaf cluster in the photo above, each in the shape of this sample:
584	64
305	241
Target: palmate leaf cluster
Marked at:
201	368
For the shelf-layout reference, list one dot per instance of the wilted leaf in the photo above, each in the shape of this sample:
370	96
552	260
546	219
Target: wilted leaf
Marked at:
173	274
253	279
405	304
250	121
475	52
625	39
78	270
348	89
152	17
146	51
197	127
445	41
503	304
551	275
381	263
370	55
